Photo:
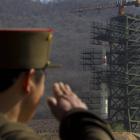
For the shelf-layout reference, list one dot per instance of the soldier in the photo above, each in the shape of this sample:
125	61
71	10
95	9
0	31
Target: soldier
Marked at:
24	58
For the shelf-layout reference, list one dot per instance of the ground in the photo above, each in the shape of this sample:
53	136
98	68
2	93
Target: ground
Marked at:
124	136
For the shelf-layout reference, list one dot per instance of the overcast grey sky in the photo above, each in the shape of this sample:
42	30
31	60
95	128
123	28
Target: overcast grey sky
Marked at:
44	1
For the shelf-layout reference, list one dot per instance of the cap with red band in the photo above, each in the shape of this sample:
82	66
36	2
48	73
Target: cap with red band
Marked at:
24	48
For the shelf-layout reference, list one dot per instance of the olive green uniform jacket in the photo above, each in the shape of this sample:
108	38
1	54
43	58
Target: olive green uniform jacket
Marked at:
76	125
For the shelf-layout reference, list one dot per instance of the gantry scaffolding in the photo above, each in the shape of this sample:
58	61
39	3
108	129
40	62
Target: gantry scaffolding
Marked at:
121	71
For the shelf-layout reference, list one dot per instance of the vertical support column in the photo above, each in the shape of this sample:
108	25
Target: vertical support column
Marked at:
123	69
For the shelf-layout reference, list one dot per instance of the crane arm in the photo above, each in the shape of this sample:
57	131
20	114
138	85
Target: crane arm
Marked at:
119	3
128	3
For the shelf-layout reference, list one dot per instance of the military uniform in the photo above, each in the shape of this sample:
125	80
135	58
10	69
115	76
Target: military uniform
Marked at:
26	49
83	125
15	131
76	125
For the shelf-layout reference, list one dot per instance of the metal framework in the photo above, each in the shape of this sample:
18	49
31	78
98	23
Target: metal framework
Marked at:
122	71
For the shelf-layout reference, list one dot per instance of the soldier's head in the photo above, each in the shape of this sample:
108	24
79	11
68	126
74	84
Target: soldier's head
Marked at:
24	56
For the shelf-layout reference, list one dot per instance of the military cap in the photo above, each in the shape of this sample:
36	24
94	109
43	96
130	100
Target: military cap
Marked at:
25	48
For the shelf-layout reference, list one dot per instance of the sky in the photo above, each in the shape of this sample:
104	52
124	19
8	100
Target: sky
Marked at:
43	1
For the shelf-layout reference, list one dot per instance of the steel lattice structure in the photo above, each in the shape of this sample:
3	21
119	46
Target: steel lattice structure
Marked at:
122	72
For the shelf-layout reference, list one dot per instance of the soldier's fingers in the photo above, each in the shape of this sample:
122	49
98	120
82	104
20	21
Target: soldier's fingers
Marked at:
66	89
70	91
57	90
83	105
51	101
74	102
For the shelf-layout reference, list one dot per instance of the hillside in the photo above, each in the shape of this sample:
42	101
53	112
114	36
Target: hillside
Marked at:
72	34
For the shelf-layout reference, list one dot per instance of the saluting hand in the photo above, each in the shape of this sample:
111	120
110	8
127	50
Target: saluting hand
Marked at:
64	100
